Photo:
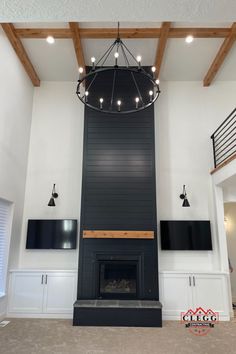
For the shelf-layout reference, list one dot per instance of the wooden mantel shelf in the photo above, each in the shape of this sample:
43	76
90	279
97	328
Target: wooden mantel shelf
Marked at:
118	234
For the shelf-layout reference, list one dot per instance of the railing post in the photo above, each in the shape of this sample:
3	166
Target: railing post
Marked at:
214	152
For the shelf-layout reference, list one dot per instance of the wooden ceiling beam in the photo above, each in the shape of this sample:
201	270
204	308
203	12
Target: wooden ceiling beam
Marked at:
20	52
103	33
161	46
199	32
41	33
220	57
77	44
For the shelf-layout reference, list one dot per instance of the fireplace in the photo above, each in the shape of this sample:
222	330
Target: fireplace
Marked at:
118	285
118	274
117	279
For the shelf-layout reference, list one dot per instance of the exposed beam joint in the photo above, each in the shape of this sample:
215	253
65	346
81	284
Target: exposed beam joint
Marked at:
77	44
20	52
161	46
220	57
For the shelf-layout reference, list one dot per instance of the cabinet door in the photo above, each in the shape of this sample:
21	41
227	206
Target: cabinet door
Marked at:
209	292
26	293
175	294
60	292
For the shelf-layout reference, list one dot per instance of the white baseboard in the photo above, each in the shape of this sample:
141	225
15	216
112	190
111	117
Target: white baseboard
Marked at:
40	315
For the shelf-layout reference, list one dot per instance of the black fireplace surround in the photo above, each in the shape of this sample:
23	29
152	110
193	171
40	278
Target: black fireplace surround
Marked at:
119	252
118	277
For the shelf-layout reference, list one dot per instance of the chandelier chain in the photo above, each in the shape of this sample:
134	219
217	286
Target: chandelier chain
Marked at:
113	88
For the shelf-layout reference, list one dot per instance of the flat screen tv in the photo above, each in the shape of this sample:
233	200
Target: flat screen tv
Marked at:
51	234
186	235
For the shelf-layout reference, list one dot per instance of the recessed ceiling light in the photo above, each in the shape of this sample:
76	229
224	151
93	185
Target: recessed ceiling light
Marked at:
189	39
50	39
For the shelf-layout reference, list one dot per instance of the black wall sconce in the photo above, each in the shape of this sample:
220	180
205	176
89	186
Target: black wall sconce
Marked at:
184	197
51	202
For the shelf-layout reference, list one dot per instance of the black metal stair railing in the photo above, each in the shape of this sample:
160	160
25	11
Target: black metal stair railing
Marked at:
224	140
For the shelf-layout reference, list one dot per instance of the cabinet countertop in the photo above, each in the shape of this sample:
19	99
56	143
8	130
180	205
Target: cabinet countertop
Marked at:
42	270
207	272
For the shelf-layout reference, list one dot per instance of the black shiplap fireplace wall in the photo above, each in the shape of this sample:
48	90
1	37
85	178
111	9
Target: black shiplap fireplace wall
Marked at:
118	193
119	172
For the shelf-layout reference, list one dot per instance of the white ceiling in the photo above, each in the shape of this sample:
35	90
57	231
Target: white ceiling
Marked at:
117	10
182	62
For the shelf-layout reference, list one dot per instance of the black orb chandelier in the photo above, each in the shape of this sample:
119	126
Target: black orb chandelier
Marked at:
118	83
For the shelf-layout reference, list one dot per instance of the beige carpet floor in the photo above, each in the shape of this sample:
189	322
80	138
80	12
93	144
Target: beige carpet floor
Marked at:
29	336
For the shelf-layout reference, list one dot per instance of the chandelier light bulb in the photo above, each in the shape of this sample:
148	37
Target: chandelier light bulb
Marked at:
150	94
81	70
189	39
137	101
93	59
119	104
153	69
139	58
86	93
50	39
116	55
101	102
157	81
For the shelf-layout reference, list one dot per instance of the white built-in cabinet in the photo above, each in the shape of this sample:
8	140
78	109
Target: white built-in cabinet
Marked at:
42	293
48	293
181	291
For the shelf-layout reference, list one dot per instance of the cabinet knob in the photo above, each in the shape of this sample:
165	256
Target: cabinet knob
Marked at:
189	279
42	279
193	280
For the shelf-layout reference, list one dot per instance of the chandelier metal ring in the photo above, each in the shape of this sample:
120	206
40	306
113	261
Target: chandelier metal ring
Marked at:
94	73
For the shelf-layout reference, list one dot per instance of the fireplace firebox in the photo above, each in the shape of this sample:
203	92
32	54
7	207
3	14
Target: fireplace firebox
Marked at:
117	279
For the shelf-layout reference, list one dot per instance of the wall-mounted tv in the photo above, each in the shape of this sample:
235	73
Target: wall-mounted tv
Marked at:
181	235
52	234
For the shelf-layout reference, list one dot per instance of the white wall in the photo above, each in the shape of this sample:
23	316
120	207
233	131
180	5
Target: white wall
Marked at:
230	226
229	184
186	116
16	93
55	156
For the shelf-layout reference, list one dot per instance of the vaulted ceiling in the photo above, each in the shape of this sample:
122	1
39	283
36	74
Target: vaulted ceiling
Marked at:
211	56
